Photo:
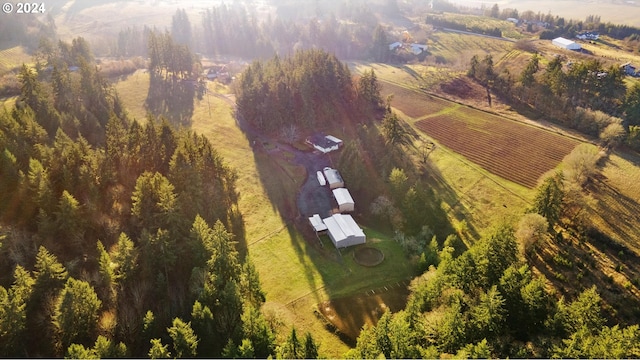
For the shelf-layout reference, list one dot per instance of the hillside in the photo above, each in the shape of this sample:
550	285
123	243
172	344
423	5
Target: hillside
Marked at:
156	183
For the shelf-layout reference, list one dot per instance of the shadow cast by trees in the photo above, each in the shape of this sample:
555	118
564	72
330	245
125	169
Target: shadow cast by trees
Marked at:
172	98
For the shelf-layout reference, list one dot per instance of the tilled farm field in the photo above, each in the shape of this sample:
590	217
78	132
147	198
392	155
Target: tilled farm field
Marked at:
516	152
411	102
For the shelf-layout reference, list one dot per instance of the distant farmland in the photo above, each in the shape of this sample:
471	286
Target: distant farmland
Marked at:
511	150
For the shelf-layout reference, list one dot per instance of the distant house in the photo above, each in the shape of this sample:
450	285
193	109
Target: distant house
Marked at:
344	200
333	178
566	44
344	231
218	72
324	144
395	45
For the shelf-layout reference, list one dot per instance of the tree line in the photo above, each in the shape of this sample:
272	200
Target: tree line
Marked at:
486	302
232	29
584	95
120	238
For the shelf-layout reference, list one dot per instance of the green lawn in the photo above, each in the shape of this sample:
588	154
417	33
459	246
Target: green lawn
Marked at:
295	272
133	93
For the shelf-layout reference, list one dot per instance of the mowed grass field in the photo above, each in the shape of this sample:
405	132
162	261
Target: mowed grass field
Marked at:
296	273
132	90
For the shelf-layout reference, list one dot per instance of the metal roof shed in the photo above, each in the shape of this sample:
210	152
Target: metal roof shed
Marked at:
344	199
317	224
566	44
333	178
344	231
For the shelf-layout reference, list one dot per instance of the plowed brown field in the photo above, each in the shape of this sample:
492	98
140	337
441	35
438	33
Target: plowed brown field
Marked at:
517	152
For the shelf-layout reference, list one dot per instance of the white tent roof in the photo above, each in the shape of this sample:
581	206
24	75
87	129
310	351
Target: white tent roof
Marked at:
342	196
342	227
317	223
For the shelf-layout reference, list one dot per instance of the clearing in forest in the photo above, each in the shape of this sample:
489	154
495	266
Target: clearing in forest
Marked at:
514	151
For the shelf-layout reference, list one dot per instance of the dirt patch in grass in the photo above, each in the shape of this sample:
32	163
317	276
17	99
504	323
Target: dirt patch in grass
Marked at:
412	102
347	315
465	89
511	150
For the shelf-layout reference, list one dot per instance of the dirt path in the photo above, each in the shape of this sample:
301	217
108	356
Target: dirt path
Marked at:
313	198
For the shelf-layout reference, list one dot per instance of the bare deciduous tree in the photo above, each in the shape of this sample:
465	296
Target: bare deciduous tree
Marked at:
531	229
581	163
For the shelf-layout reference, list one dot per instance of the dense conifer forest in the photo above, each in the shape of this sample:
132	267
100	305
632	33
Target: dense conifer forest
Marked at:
123	232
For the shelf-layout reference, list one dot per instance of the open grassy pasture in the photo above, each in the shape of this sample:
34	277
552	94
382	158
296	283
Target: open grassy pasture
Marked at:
456	49
132	90
512	150
616	211
508	29
296	272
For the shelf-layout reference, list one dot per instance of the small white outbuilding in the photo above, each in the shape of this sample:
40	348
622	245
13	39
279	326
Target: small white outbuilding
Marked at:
566	44
344	200
333	178
344	231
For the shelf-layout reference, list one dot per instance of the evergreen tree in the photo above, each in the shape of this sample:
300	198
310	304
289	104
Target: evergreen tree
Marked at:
548	200
153	201
292	348
380	48
185	341
76	313
158	350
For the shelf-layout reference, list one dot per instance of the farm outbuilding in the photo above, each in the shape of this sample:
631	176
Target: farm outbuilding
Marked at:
317	223
566	44
333	178
324	144
344	231
344	199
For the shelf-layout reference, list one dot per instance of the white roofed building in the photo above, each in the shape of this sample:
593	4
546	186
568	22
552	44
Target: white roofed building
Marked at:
344	231
317	223
566	44
344	199
333	178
